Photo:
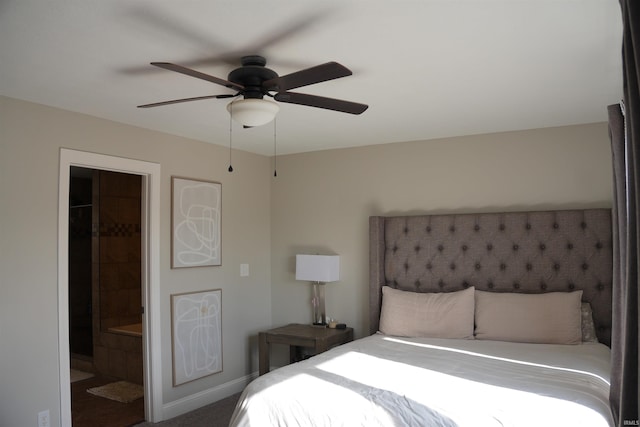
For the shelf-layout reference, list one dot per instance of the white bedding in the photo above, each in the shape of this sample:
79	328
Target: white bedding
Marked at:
389	381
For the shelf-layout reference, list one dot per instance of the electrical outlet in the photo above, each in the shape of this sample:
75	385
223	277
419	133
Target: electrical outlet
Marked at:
43	419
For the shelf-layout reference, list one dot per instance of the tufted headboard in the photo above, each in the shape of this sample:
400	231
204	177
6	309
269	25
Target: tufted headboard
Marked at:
528	252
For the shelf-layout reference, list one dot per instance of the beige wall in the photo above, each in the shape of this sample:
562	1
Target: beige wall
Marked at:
30	139
321	201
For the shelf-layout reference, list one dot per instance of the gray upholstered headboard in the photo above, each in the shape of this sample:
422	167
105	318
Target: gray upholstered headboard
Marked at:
529	252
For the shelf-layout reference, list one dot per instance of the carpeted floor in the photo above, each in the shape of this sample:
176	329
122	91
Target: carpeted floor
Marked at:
217	414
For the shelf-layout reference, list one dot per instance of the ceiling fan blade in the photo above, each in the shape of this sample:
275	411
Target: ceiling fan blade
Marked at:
317	74
162	22
197	74
282	32
321	102
177	101
288	29
159	22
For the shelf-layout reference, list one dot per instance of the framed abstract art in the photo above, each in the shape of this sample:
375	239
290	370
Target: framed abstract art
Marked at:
195	223
196	335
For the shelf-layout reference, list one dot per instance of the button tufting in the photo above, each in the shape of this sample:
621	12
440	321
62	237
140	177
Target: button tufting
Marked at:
466	250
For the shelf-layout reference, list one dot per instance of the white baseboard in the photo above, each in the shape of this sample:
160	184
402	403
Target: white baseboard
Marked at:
205	397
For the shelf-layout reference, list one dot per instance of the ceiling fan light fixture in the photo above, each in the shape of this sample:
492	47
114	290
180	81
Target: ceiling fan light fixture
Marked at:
252	111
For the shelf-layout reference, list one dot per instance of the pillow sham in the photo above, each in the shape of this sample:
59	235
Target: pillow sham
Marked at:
432	315
588	327
550	318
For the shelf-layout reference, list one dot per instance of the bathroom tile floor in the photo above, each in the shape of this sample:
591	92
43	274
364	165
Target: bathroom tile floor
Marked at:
88	410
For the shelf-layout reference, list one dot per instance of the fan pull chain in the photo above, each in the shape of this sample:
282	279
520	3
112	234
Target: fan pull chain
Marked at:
230	135
275	172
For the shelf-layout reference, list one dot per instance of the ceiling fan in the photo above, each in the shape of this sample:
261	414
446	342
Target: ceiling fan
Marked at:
253	81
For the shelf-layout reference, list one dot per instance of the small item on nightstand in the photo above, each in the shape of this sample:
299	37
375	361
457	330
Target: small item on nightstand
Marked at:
333	324
341	326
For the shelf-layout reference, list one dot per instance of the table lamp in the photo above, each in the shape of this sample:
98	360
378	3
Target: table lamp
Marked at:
318	269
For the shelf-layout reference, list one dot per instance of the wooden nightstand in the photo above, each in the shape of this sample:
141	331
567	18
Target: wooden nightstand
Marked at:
319	339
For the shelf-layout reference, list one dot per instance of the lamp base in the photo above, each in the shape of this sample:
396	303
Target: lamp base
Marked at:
317	302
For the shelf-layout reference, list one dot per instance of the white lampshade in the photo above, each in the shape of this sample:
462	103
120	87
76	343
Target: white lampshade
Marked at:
252	111
318	268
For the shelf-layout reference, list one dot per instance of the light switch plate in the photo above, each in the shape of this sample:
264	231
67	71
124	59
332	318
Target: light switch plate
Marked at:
244	270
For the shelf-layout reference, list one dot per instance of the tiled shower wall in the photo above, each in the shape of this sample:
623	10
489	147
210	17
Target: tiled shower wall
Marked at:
117	274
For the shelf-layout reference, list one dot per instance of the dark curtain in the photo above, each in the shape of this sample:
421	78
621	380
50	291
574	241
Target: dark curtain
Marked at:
624	129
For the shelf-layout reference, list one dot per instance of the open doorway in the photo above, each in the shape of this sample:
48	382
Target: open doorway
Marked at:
105	297
149	174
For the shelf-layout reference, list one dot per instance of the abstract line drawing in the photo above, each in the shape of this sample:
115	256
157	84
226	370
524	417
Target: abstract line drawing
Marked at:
196	335
196	215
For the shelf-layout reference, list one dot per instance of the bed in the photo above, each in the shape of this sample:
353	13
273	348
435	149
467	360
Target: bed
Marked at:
486	319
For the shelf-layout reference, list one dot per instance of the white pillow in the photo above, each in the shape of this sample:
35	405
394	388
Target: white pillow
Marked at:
551	318
434	315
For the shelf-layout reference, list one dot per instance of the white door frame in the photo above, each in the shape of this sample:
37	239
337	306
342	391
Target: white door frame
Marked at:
150	173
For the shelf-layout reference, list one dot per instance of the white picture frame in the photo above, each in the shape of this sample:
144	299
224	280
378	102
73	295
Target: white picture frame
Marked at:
196	216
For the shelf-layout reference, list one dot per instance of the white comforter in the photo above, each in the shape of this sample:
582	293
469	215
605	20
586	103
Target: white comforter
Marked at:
389	381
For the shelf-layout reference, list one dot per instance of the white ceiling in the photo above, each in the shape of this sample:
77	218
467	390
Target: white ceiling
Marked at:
427	69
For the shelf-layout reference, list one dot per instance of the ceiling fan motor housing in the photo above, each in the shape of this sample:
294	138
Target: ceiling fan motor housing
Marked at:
251	75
